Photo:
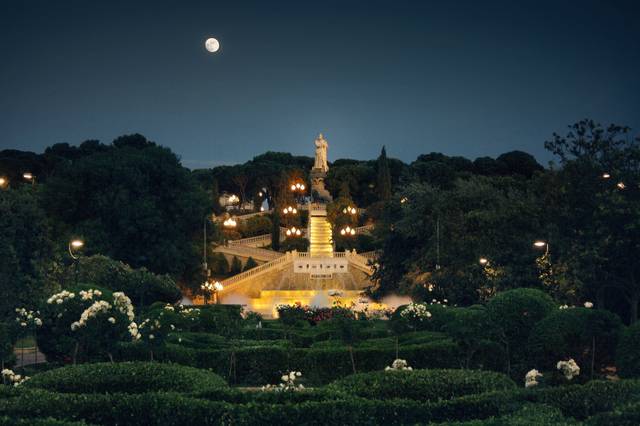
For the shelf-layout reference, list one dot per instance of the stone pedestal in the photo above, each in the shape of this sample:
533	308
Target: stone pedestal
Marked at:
317	184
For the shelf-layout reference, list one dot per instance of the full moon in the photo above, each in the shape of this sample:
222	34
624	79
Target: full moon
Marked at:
212	45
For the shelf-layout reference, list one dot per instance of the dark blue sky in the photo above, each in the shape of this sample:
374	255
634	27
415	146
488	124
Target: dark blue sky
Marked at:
466	78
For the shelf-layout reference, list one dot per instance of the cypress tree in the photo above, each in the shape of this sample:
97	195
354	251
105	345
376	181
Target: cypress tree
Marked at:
275	229
384	176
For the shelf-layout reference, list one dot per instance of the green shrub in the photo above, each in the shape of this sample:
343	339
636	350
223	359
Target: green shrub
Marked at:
582	401
141	285
514	313
264	361
7	421
7	340
529	414
469	328
423	385
623	415
575	333
628	352
225	320
327	406
127	377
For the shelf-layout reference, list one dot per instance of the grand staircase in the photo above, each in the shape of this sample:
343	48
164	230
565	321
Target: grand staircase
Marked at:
319	232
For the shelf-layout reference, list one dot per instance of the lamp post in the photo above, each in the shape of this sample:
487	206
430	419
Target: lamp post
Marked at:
211	288
348	231
293	232
30	177
4	182
290	210
540	244
75	245
350	210
217	287
483	261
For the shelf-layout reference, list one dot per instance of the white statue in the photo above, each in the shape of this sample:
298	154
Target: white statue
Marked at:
321	154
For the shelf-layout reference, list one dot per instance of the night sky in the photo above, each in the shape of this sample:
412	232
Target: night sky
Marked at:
469	78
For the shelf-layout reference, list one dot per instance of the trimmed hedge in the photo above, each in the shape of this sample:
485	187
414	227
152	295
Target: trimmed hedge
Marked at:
423	385
515	312
260	365
8	421
529	414
624	415
628	352
126	377
579	401
572	333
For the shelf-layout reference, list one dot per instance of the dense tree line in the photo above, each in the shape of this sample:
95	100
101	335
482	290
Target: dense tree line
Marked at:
464	230
436	217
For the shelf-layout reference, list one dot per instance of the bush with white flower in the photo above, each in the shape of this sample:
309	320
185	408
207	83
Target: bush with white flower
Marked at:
416	312
27	319
399	365
568	368
531	378
10	378
90	322
287	384
157	325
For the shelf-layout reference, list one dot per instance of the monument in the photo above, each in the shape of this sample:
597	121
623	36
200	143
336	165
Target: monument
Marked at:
319	171
317	277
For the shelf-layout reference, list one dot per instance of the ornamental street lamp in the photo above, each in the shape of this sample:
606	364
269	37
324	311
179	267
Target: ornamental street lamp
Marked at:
230	223
483	261
297	187
348	231
540	244
350	210
209	288
290	210
293	232
206	288
30	177
74	246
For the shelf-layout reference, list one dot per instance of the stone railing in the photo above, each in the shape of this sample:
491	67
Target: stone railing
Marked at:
257	241
366	229
370	255
232	282
317	208
246	251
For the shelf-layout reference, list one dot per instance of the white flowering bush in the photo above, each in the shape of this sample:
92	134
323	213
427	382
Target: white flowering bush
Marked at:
27	319
158	325
399	365
287	383
569	369
90	322
10	378
531	378
416	312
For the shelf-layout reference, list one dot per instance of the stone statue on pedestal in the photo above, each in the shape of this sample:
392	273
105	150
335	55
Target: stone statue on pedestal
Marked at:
319	171
321	154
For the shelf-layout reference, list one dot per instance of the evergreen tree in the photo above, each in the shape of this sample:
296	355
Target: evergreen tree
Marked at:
236	266
251	263
275	229
384	176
